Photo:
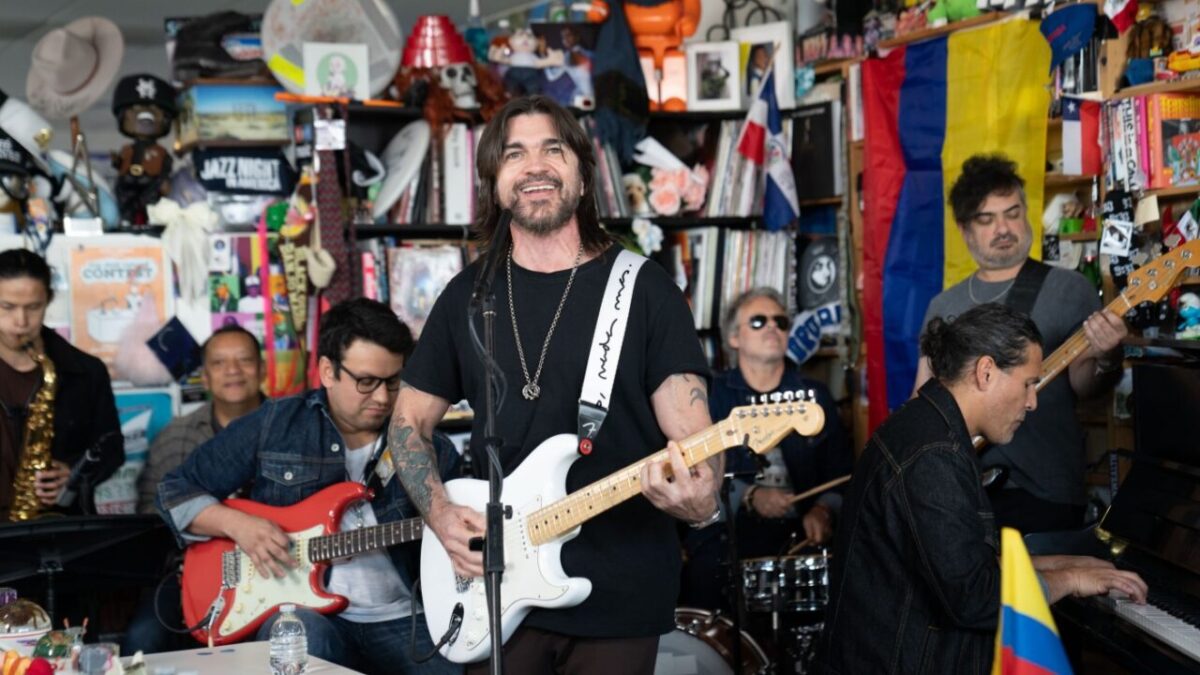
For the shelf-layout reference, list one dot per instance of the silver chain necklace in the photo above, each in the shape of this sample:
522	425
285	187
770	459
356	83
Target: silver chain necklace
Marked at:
531	390
971	291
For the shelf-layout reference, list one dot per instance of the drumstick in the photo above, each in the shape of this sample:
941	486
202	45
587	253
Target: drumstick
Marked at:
797	547
820	488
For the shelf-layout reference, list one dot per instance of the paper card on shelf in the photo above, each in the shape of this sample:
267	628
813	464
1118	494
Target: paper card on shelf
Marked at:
331	134
219	257
1147	210
337	69
83	227
1117	237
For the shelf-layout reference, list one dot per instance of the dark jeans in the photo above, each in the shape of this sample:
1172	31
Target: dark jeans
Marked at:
531	651
147	633
374	648
1020	510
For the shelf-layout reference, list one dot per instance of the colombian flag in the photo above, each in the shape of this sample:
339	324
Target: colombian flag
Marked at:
927	107
1027	641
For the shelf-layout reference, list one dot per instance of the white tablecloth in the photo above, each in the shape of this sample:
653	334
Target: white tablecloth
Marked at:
248	658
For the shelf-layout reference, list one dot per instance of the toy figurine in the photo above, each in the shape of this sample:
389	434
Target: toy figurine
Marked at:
524	74
144	106
1189	317
658	32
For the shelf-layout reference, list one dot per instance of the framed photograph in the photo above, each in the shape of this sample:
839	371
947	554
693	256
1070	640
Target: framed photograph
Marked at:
757	45
571	83
714	76
336	69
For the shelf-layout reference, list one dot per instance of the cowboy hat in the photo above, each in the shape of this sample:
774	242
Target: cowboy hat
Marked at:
73	66
288	24
29	129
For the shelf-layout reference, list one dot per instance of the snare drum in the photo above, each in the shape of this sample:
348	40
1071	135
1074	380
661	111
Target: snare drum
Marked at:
796	583
702	644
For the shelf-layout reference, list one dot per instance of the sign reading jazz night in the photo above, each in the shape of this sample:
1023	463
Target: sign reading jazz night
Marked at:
111	288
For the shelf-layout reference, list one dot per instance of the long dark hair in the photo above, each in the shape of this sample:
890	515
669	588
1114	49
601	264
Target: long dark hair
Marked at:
491	153
954	345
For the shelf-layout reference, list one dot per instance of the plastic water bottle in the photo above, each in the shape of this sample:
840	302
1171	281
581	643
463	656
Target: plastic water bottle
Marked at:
289	645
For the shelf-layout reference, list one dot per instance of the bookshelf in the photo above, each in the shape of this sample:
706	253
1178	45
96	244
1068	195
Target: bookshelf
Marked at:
1170	86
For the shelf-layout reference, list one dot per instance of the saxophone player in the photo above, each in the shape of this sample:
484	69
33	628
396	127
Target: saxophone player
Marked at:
56	402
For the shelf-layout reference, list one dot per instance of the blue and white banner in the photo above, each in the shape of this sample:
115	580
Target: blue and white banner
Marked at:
809	326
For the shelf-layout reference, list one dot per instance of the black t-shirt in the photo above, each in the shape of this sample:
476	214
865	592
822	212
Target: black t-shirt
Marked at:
631	552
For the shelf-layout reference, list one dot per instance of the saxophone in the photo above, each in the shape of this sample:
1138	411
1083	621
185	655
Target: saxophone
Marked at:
39	434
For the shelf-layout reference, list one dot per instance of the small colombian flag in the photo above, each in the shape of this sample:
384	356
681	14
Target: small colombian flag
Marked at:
1027	641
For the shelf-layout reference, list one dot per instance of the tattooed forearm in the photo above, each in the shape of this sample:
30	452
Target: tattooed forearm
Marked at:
697	392
416	462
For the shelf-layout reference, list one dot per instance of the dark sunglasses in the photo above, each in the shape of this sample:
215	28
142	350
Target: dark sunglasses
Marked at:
758	321
367	384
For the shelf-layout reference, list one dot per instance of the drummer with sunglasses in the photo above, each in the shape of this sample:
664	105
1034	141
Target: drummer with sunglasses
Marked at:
755	328
291	448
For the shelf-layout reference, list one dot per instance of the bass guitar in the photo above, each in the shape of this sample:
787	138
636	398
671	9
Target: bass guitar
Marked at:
544	517
228	599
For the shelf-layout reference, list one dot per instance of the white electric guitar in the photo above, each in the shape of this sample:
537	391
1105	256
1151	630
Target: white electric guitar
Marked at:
544	518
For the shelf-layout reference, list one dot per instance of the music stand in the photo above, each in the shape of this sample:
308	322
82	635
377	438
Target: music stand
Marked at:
79	545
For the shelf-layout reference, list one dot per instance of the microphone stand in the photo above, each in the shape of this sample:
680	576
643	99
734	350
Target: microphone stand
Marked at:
484	298
732	577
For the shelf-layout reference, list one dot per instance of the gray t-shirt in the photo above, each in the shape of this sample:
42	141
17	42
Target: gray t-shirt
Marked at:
1046	455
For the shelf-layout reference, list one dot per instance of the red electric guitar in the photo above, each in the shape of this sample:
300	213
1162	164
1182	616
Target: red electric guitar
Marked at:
226	595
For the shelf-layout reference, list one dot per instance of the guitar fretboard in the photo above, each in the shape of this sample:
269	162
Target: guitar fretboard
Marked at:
354	542
576	508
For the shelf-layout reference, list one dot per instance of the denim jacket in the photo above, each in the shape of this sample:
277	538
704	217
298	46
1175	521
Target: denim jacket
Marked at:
286	450
915	579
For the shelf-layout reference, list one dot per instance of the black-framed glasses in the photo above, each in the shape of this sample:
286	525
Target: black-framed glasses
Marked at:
758	321
367	384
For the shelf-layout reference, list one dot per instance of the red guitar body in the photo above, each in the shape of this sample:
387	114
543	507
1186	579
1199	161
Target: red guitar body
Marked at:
218	576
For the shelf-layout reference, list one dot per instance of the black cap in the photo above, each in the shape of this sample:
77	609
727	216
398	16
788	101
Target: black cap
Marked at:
143	89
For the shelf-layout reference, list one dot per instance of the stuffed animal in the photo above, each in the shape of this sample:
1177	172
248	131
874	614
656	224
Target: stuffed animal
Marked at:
945	11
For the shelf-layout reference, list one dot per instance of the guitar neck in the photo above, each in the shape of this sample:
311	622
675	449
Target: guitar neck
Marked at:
364	539
1075	345
585	503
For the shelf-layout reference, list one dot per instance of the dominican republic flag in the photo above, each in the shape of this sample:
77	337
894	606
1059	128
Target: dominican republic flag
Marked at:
1122	12
763	145
1081	137
1027	641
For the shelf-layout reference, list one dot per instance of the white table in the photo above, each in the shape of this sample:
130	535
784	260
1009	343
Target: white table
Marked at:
250	658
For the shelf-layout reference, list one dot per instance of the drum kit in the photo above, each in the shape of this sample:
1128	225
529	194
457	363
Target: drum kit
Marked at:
783	602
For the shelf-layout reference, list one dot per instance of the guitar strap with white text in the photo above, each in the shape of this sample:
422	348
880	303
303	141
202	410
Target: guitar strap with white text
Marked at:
607	341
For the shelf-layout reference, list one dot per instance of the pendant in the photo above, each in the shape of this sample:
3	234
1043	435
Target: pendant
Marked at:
531	391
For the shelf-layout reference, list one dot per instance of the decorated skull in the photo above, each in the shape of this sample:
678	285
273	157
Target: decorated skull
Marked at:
459	80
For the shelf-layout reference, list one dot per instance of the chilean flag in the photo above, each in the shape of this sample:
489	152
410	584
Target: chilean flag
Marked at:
1081	137
762	144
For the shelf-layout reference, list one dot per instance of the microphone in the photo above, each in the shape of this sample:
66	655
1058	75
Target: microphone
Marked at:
496	254
84	470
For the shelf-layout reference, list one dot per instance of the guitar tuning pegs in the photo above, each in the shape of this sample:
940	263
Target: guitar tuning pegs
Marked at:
811	395
788	396
775	397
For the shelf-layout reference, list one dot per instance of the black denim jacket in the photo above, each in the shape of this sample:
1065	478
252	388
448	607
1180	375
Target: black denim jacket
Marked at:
915	578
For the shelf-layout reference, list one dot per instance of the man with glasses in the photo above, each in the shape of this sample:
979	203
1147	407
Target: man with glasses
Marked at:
293	447
1043	465
755	328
